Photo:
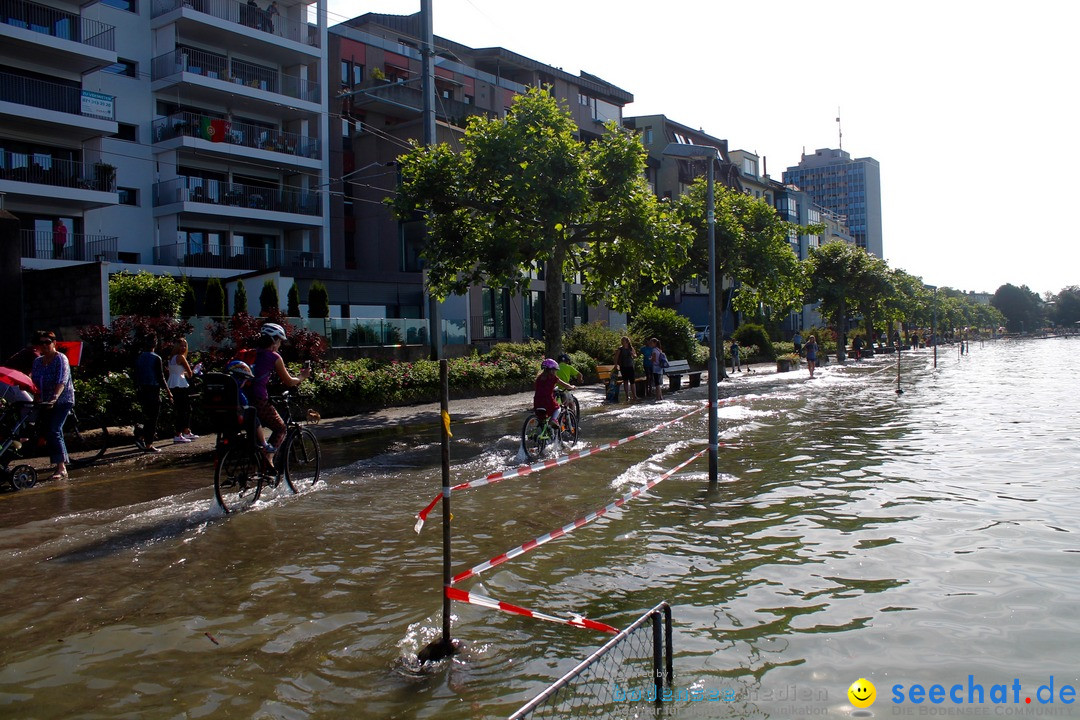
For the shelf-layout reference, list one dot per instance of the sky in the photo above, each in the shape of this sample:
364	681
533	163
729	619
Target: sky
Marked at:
959	101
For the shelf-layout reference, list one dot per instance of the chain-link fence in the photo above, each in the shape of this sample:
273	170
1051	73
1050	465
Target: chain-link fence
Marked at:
617	681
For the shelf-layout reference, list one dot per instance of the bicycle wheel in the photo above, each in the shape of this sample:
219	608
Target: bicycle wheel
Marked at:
87	440
302	459
532	438
568	427
237	479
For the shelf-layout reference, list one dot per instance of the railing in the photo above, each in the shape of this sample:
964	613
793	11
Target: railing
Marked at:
67	246
453	331
410	97
214	255
217	192
46	170
484	327
243	14
235	133
53	96
624	678
57	23
220	67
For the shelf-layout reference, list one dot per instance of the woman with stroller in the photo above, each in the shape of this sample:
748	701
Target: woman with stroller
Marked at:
52	375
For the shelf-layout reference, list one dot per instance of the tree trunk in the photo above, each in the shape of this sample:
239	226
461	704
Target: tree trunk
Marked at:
841	332
717	326
553	306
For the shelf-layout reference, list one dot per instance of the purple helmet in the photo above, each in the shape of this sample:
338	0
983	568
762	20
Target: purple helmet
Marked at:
549	364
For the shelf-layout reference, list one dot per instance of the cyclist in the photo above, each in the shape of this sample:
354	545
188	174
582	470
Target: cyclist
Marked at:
268	365
566	373
240	371
544	395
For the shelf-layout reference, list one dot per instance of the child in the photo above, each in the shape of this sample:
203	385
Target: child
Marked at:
249	420
544	395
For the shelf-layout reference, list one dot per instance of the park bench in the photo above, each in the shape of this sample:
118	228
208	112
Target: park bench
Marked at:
604	372
676	369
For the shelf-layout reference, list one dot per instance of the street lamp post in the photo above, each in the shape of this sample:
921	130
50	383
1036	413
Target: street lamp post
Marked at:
710	155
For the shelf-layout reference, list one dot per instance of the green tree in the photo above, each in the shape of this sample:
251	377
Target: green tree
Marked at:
293	300
268	298
837	273
240	300
1066	308
318	301
145	294
523	193
214	301
1022	308
188	306
874	294
674	331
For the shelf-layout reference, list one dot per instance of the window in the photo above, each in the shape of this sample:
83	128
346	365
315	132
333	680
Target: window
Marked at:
496	312
446	93
357	73
352	74
123	67
129	5
128	196
413	234
127	131
469	100
646	136
532	314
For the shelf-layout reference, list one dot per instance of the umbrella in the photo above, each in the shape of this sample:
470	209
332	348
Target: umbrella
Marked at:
18	379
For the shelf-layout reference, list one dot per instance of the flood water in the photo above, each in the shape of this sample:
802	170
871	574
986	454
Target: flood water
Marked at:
912	539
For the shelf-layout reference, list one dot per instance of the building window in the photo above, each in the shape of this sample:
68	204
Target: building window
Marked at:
127	131
532	314
129	5
469	100
646	136
413	235
128	196
496	312
123	67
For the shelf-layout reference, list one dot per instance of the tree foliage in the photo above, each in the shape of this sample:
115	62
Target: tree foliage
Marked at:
1066	308
318	301
268	298
837	274
674	331
188	306
240	299
523	192
1022	308
214	301
293	301
145	294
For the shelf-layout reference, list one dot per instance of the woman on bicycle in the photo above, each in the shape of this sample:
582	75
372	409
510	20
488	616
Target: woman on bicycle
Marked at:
544	393
51	373
268	365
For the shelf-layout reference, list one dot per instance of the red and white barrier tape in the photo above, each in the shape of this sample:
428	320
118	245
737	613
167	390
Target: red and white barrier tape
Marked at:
574	620
565	529
493	478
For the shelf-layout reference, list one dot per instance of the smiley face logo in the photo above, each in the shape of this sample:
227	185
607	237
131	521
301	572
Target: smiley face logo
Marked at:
862	693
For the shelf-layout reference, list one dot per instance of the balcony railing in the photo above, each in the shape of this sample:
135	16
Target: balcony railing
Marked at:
235	133
57	23
220	67
243	14
67	246
214	255
216	192
46	170
54	96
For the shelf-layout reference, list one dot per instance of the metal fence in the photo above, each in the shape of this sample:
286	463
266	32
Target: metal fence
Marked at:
624	678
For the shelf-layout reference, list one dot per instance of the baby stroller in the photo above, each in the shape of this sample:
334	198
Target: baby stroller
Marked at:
19	412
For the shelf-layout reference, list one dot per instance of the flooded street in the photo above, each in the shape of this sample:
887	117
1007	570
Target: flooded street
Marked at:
917	538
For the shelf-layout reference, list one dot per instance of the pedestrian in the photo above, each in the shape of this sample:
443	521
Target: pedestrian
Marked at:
797	341
624	360
269	365
856	345
180	375
51	372
736	363
647	362
660	362
149	382
272	12
811	354
59	238
915	341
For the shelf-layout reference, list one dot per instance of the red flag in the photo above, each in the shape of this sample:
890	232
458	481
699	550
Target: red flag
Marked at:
218	129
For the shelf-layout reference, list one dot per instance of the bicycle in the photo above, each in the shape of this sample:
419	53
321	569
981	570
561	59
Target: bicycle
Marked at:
537	431
241	469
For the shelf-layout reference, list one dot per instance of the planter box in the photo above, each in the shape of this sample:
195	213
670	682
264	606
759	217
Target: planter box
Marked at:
786	365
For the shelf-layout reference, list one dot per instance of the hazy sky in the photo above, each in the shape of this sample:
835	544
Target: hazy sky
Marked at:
969	107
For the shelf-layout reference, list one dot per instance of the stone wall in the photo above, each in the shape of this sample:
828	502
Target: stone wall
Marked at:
63	299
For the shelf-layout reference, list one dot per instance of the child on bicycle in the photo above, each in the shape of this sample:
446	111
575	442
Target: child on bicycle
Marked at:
544	390
248	417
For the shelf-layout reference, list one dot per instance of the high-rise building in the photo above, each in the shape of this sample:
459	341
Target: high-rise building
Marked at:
847	187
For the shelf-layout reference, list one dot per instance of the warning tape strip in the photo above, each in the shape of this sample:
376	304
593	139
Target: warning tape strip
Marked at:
522	470
565	529
573	620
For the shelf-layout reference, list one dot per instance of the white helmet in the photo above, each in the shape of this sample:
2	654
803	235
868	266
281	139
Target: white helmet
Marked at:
273	330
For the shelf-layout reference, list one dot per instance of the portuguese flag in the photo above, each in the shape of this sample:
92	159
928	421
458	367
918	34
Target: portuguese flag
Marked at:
213	129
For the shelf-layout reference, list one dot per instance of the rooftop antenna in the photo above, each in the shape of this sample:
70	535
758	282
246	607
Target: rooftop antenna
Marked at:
839	129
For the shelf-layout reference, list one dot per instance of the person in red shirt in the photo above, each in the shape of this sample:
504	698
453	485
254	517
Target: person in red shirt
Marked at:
544	395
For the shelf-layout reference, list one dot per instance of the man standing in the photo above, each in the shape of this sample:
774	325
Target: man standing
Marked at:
60	234
797	341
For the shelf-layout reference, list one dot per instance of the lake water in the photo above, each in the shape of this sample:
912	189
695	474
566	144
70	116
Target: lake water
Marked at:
910	540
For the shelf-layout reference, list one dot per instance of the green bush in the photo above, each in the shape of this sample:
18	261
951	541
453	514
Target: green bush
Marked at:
826	338
268	298
145	294
594	339
675	332
752	334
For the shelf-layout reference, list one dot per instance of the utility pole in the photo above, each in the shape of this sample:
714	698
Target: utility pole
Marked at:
427	57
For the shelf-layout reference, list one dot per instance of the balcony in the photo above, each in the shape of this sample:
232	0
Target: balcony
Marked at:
48	36
232	257
42	244
395	97
81	113
222	136
207	75
253	22
233	200
34	180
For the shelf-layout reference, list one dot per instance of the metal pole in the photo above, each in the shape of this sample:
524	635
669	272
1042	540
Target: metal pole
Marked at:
443	647
427	54
933	327
657	656
715	328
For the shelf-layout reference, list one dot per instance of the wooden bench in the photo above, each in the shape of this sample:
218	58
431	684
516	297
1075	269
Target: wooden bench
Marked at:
604	372
676	369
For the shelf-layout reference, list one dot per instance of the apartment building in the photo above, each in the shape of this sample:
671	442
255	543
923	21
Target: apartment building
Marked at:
377	95
177	136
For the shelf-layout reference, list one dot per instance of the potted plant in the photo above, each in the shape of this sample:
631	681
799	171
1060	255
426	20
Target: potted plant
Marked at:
788	362
105	176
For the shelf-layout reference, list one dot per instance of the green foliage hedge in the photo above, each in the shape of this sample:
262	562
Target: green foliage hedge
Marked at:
674	331
752	334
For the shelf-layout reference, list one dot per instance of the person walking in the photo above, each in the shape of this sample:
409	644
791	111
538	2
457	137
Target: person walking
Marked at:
51	372
736	364
149	382
624	360
180	375
797	342
646	353
811	348
267	366
660	362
